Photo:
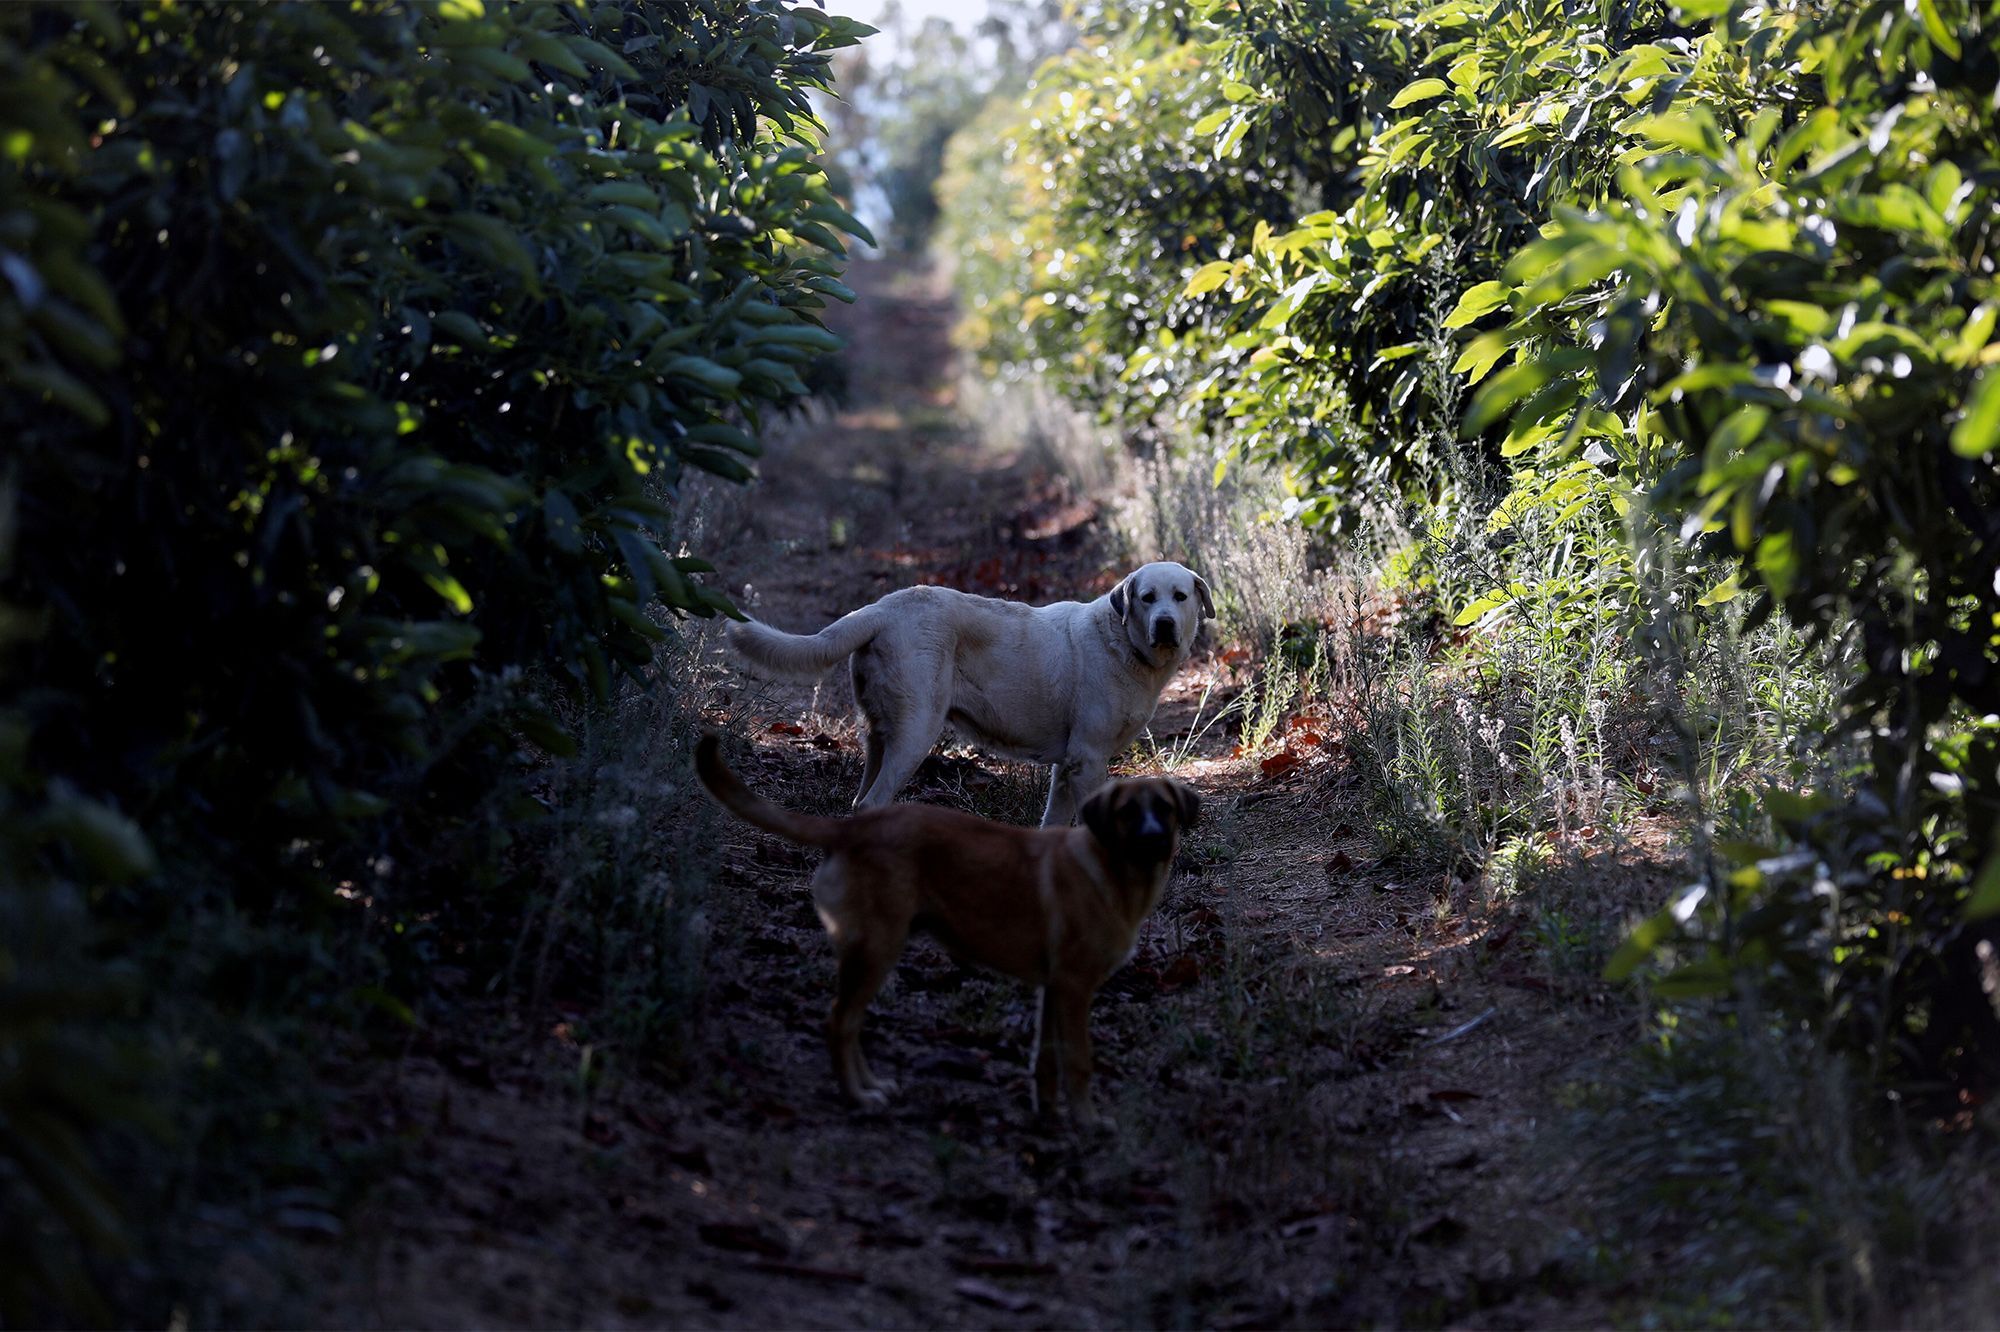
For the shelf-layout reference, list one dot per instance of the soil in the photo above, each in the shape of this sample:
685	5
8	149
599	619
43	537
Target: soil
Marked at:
1334	1086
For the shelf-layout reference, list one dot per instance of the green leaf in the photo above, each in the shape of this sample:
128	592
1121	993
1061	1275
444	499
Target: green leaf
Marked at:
631	193
1477	302
1423	90
1501	392
1979	429
699	369
1482	607
1480	355
1209	276
1647	936
1514	135
1705	978
604	57
1940	31
105	840
1723	592
565	524
1691	131
1778	562
546	50
1984	899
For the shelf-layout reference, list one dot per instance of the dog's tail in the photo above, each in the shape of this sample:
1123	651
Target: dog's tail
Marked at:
803	656
752	808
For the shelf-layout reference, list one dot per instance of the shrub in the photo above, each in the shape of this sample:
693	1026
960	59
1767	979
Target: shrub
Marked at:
1788	313
371	342
355	355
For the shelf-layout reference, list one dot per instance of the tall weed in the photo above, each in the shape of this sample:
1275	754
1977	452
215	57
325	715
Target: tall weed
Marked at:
1262	566
1736	1173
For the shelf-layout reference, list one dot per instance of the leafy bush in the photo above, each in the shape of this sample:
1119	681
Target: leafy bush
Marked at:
356	387
1710	286
1072	249
63	1076
355	356
1791	315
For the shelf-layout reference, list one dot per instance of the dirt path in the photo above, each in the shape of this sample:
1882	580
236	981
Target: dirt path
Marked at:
1324	1080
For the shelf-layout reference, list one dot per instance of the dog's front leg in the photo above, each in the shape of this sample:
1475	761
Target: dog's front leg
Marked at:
1060	811
1072	779
1045	1055
1068	1004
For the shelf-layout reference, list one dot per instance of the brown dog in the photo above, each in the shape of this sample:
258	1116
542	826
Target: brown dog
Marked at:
1056	907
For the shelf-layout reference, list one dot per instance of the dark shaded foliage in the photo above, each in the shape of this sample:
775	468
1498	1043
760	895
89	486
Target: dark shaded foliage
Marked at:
354	357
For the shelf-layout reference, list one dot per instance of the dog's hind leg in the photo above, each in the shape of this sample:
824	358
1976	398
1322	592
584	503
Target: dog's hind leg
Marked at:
871	767
1070	782
861	670
864	965
906	715
905	747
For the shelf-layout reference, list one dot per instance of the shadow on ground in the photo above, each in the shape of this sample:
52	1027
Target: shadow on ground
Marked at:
1323	1076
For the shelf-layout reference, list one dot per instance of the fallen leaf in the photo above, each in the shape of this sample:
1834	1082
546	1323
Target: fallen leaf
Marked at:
1180	973
786	728
985	1292
1338	863
1280	763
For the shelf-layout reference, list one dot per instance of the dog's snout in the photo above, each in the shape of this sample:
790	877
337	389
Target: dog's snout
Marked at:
1149	824
1165	632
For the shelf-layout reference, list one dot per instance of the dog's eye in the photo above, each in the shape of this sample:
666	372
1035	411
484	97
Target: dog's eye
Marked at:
1180	596
1150	598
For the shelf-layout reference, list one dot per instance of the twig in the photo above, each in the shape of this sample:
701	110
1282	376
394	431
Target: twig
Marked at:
1461	1029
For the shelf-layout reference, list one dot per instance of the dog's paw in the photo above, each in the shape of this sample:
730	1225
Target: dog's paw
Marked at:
885	1086
871	1098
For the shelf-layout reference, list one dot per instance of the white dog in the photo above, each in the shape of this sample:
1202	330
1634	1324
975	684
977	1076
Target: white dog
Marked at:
1069	685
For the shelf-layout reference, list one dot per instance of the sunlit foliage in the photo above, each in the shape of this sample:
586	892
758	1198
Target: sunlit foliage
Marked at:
1717	278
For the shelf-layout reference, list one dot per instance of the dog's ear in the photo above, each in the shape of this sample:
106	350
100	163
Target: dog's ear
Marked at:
1121	596
1207	599
1096	813
1187	801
